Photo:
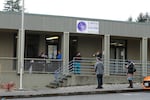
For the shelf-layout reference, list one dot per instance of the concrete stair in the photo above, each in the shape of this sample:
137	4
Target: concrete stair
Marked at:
60	82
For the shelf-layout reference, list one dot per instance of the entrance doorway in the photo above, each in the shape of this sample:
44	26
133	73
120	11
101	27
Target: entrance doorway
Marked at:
73	44
53	45
117	56
117	53
52	51
118	49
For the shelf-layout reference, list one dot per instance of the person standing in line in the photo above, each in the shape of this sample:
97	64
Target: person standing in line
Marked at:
99	69
58	56
98	54
130	72
77	64
43	55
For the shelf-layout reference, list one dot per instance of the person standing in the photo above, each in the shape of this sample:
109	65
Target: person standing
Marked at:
77	63
43	55
99	69
98	54
130	72
58	56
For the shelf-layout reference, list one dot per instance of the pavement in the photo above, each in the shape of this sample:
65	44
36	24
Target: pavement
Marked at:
67	91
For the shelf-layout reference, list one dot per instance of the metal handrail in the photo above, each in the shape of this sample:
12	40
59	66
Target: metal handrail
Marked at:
116	66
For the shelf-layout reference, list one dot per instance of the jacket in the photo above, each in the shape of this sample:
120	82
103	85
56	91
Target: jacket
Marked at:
99	67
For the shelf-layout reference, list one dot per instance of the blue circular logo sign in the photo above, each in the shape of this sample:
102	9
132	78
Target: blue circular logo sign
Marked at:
81	26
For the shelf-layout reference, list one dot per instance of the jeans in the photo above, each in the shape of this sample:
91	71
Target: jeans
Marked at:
100	80
77	67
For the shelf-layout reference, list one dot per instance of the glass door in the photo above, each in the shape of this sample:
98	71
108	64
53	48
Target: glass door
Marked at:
52	51
117	56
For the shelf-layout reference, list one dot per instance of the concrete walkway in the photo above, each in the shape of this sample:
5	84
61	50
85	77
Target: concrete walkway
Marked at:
74	90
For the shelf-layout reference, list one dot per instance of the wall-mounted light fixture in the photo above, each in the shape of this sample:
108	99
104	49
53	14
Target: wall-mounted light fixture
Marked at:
52	38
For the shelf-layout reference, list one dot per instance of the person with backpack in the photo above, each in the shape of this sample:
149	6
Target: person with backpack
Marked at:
130	71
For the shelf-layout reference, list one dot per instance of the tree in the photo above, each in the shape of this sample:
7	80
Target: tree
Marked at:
130	19
12	6
143	18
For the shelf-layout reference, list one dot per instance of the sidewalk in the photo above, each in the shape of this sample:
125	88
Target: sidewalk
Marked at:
74	90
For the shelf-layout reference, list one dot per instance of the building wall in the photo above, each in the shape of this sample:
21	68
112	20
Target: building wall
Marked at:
6	44
42	44
68	24
148	56
133	49
88	46
6	50
42	80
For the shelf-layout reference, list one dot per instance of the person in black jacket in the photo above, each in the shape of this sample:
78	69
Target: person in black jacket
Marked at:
130	72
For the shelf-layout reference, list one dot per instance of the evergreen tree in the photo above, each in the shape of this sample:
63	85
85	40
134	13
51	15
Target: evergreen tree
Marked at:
12	6
143	18
130	19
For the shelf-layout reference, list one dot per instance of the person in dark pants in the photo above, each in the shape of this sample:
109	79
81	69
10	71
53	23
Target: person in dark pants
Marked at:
99	69
130	72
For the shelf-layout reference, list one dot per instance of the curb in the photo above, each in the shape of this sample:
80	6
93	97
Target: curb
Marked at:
70	93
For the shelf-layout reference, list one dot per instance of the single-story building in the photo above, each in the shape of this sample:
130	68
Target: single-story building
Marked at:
116	40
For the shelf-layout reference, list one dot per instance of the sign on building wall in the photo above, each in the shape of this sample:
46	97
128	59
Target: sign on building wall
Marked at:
83	26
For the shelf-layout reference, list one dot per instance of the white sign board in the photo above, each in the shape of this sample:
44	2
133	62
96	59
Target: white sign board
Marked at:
83	26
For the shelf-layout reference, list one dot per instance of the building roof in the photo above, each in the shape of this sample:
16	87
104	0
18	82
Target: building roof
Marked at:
38	22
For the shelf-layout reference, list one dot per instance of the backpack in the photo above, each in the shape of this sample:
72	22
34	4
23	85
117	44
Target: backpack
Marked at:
134	69
133	65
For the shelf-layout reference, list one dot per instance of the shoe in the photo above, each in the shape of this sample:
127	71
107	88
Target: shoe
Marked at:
130	87
99	88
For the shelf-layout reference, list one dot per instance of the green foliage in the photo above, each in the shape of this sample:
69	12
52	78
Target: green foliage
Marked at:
12	6
130	19
143	18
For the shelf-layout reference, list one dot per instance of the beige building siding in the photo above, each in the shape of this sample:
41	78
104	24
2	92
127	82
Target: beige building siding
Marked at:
42	44
6	45
6	50
89	45
148	54
68	24
133	49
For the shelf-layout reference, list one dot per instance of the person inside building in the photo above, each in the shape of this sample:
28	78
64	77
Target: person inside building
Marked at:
43	55
59	55
98	54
